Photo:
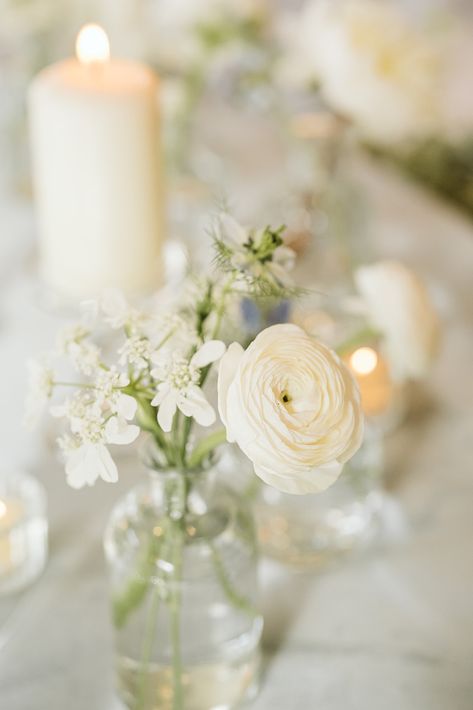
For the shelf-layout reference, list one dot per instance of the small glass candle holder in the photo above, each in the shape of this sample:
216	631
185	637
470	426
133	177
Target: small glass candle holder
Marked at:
23	531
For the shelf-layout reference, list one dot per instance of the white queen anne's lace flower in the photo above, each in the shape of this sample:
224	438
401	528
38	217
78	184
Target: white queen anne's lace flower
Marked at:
178	386
84	355
292	407
96	418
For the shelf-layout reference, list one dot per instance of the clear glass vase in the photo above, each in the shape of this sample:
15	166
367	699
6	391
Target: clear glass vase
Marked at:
182	555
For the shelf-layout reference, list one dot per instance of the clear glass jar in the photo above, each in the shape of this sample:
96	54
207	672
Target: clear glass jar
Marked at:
181	550
23	531
314	530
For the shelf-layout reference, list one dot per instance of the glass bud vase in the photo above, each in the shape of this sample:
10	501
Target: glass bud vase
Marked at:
181	550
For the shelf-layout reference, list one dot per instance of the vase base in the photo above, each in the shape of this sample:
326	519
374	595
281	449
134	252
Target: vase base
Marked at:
211	686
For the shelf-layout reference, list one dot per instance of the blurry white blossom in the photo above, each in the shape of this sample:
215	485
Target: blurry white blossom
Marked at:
398	305
40	389
373	65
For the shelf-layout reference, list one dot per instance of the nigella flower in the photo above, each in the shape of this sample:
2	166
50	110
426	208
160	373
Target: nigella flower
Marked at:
260	253
179	388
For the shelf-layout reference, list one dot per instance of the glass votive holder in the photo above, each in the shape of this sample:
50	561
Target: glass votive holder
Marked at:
23	531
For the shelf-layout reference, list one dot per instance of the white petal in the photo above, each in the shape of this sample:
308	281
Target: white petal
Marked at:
231	230
314	480
163	389
194	404
127	406
87	463
118	431
209	352
166	411
108	469
226	373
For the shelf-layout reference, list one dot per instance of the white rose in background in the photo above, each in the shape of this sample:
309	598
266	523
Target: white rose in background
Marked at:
397	304
373	66
292	407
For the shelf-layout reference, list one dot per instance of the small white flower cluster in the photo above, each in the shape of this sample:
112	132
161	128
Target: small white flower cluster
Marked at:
161	359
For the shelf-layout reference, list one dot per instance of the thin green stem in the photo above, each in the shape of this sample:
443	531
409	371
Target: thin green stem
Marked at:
235	599
205	447
175	608
147	648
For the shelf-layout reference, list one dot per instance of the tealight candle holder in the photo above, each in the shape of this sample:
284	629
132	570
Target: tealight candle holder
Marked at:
23	531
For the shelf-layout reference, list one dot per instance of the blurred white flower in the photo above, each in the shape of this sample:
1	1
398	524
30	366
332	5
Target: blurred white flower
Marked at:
40	389
178	386
118	313
373	66
88	462
84	355
95	422
398	305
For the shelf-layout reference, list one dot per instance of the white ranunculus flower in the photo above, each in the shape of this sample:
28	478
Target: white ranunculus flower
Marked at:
397	304
292	407
374	66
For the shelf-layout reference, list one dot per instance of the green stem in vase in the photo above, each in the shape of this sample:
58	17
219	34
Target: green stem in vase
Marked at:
147	649
175	608
235	599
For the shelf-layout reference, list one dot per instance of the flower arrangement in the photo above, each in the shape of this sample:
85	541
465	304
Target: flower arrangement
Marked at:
156	383
288	401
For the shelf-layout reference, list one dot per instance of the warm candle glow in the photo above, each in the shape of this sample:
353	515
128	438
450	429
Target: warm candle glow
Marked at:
364	361
3	509
92	45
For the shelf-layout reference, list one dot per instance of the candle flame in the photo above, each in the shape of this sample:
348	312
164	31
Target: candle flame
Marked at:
364	360
92	45
3	508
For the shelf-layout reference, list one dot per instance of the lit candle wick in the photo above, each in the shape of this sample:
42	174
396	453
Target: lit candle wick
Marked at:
92	45
364	361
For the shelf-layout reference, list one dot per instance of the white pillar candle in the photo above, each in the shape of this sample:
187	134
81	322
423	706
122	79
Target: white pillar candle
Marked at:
97	172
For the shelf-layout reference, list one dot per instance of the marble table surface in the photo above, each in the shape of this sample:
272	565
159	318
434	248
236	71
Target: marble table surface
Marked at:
391	630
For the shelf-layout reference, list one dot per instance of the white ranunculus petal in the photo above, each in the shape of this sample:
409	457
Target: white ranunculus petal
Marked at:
166	411
209	352
292	407
227	369
314	480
